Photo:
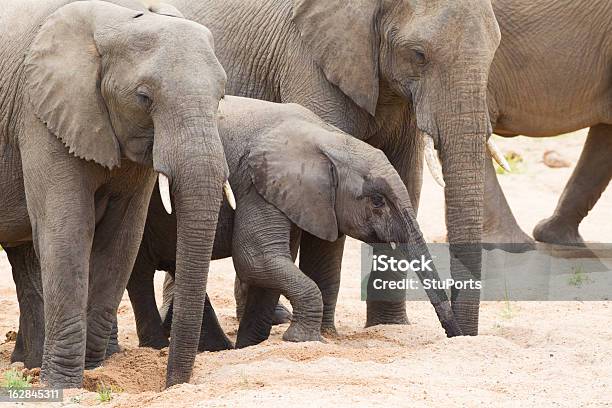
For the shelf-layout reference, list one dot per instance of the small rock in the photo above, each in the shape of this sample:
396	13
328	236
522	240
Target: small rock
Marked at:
11	336
554	160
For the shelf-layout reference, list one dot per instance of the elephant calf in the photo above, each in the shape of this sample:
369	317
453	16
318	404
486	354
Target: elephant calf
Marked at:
290	173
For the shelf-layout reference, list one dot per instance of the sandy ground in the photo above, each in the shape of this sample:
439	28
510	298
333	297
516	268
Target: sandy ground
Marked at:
528	353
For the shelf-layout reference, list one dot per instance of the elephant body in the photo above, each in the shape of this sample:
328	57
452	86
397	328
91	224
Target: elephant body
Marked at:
82	84
552	74
278	157
383	72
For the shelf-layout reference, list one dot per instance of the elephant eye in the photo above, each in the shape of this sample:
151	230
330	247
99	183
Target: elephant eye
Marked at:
419	57
143	99
378	201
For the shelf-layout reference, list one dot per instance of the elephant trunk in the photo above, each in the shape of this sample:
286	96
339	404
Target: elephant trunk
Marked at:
457	119
413	246
196	170
462	145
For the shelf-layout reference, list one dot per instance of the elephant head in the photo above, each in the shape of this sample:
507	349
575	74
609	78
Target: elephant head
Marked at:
116	85
435	54
328	183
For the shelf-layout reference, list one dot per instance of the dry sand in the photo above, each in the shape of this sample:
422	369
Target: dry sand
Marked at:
528	353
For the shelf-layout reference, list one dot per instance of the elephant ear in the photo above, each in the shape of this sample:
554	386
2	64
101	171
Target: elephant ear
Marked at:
341	34
63	76
295	176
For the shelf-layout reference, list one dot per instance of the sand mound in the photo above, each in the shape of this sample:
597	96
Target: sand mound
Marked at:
133	371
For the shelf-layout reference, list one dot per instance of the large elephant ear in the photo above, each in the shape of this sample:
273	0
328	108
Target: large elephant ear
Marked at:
341	34
296	176
63	77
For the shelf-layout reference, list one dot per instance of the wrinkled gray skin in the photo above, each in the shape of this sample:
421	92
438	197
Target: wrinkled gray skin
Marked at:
110	85
552	74
290	172
359	65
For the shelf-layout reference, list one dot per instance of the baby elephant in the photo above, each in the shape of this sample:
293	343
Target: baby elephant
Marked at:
290	172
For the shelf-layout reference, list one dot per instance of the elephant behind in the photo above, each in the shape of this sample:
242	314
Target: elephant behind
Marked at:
552	74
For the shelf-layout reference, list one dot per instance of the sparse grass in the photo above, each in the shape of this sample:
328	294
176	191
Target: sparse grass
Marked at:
14	379
507	310
105	394
578	277
244	381
516	163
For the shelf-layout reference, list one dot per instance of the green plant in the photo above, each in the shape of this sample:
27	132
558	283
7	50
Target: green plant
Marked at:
105	394
578	277
16	380
515	161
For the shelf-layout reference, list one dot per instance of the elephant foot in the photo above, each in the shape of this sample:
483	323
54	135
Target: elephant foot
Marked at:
329	330
386	313
299	333
112	348
29	360
556	230
281	315
511	239
217	345
61	377
92	364
214	342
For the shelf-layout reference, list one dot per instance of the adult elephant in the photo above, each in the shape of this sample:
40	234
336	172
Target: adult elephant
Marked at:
359	65
552	74
106	98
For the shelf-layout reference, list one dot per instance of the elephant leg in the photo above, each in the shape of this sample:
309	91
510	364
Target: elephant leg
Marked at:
118	238
500	228
588	181
241	291
64	270
256	322
31	335
262	257
142	296
165	311
281	315
212	336
325	272
113	341
281	275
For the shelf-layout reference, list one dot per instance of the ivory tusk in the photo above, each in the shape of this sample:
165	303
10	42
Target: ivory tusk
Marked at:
433	161
164	190
229	194
498	155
